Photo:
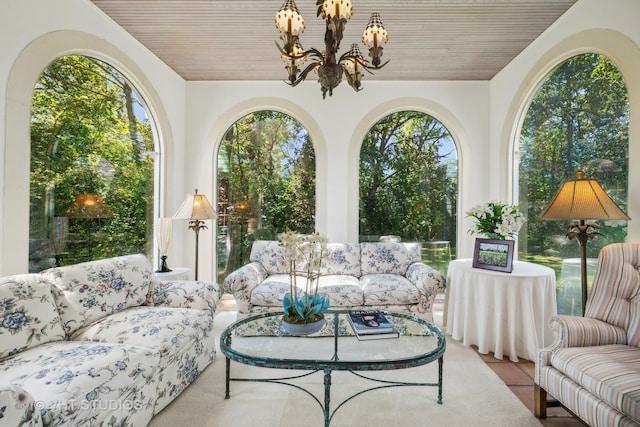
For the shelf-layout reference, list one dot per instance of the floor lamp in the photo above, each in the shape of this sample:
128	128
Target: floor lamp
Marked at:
583	199
196	208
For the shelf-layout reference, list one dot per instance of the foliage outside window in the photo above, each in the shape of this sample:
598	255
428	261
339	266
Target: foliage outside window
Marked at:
266	181
577	120
91	166
408	180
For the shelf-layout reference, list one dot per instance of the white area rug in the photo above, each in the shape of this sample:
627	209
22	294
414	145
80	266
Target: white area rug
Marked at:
472	396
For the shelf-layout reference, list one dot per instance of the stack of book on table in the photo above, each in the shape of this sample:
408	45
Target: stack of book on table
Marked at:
371	324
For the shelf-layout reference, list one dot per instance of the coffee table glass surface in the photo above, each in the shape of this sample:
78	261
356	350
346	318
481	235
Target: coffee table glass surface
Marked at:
260	340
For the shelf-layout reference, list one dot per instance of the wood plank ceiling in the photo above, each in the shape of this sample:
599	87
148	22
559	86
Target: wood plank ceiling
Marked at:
428	39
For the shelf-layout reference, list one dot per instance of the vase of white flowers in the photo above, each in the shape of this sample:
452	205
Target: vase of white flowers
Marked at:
496	220
303	306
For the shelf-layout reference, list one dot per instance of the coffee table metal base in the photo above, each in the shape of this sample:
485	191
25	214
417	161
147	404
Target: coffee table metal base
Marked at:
326	407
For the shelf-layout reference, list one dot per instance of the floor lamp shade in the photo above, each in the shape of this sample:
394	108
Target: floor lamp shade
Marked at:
196	208
583	199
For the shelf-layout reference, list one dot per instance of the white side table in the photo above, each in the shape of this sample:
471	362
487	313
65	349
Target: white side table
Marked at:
176	273
506	313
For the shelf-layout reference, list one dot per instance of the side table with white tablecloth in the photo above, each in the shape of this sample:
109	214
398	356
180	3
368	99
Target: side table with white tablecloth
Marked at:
505	313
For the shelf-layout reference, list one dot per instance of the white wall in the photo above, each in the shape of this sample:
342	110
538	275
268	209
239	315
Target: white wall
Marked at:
191	118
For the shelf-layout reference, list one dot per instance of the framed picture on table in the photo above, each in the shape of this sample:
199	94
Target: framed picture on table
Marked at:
492	254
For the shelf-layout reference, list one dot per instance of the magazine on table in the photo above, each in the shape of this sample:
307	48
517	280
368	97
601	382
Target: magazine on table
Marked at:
371	323
381	335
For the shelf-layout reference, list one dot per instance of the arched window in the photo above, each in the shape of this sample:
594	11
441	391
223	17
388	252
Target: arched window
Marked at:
92	166
577	121
266	184
409	182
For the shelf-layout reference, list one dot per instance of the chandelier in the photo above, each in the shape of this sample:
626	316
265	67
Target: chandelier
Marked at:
327	64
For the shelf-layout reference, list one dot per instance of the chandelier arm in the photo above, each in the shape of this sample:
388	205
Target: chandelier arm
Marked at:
315	52
312	51
353	82
375	67
303	74
348	55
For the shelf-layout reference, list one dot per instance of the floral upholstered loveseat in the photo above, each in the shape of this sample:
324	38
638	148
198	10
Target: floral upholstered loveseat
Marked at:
386	276
100	343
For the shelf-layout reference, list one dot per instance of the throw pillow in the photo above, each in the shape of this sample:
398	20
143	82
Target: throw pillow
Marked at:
28	314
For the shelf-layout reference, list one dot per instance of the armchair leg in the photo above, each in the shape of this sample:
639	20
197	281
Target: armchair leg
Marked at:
540	398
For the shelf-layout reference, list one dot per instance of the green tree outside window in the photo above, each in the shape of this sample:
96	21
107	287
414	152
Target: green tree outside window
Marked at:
92	165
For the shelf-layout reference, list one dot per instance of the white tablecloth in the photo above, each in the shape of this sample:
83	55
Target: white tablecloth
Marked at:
506	313
176	273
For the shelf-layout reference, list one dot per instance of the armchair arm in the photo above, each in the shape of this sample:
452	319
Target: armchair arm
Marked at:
20	408
429	282
241	283
572	331
184	294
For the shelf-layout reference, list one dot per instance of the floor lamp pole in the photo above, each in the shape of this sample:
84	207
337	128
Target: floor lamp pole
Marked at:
582	233
196	225
583	238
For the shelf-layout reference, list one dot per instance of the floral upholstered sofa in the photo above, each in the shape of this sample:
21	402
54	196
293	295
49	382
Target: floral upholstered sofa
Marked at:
100	343
369	275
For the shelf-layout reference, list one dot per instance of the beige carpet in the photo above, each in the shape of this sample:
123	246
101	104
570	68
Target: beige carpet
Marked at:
472	396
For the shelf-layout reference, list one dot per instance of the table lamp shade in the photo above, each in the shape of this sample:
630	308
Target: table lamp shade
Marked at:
196	206
583	199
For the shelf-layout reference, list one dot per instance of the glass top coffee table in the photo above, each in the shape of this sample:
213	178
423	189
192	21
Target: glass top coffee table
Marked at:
260	341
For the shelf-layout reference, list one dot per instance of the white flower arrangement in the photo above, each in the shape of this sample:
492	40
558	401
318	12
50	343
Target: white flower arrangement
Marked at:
496	220
304	252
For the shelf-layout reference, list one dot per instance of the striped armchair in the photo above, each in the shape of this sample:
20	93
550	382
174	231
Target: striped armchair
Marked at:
593	367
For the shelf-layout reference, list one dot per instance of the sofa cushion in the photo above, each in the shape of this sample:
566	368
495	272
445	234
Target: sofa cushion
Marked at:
183	338
343	290
610	372
184	294
270	292
92	290
28	314
81	384
341	258
167	330
270	254
388	258
388	289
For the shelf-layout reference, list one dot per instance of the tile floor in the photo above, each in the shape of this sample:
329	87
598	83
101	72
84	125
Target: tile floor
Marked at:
517	376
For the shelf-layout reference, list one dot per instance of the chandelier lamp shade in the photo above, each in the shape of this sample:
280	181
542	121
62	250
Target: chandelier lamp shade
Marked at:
583	199
328	66
196	208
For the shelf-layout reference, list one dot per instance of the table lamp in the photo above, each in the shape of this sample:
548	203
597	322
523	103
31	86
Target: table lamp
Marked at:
163	235
583	199
196	208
